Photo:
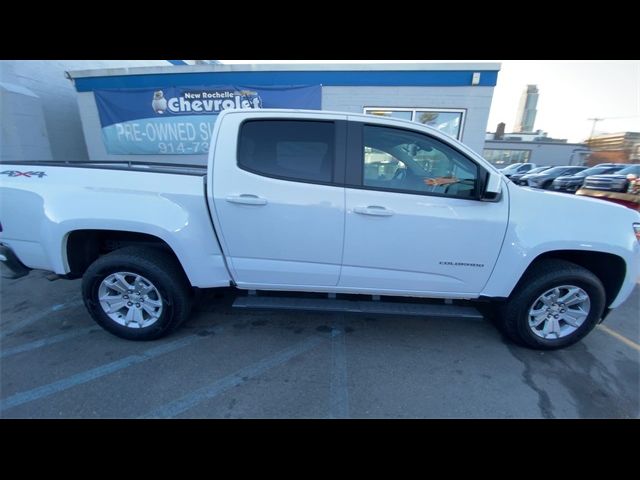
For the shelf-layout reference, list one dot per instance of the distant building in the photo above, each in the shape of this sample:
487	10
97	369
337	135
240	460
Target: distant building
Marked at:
537	147
526	116
537	136
614	147
543	153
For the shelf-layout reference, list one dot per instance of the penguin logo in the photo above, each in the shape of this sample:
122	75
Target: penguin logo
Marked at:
159	103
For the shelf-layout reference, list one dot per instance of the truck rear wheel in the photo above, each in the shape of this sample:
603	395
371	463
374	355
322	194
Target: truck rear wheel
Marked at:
137	293
554	305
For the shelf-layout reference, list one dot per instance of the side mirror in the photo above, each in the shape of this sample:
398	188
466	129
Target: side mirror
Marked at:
492	187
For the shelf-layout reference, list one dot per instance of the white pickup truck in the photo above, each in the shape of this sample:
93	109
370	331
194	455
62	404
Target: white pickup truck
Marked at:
359	212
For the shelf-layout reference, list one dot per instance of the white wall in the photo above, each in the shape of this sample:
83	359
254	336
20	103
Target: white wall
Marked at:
46	80
25	137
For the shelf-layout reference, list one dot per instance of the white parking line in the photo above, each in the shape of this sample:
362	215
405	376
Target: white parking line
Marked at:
89	375
208	392
5	331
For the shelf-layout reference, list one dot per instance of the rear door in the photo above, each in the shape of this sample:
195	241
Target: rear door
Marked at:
279	198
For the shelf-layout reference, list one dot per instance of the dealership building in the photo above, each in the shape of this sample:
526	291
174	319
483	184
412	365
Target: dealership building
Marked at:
166	113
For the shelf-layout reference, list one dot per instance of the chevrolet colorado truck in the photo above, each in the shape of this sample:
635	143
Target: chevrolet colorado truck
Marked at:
341	211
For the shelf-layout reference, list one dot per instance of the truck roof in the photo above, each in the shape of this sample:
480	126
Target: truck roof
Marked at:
363	116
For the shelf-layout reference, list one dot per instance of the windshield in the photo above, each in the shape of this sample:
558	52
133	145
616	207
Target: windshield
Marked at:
597	170
512	167
635	169
538	169
557	170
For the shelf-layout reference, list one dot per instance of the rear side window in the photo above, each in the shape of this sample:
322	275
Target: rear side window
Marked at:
288	149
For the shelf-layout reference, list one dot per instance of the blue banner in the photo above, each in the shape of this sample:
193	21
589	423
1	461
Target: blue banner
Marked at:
179	120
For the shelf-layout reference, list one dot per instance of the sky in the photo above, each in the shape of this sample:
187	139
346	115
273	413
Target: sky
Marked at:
571	92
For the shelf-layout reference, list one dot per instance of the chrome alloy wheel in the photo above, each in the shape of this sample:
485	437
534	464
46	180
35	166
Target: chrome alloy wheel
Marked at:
130	299
559	312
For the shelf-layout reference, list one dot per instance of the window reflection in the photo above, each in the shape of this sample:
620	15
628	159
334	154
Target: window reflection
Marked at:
446	121
504	157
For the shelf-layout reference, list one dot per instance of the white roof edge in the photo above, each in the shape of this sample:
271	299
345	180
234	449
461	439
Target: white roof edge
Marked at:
329	113
353	67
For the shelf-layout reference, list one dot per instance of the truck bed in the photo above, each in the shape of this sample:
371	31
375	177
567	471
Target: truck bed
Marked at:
56	199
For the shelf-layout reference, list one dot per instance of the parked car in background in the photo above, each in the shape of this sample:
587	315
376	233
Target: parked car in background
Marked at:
571	183
517	168
545	179
517	176
617	182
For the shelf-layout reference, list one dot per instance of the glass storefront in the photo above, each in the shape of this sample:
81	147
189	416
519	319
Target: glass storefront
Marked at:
502	158
449	121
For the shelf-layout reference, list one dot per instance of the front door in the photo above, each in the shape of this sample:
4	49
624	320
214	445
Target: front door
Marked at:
414	224
280	207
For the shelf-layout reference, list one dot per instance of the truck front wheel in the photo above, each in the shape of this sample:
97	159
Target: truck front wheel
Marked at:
554	305
137	293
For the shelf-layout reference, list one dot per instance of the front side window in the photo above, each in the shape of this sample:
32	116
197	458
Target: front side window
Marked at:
288	149
402	160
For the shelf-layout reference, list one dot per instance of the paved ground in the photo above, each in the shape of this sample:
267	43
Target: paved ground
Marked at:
55	363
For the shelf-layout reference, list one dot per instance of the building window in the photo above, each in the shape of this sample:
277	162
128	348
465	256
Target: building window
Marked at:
504	157
447	120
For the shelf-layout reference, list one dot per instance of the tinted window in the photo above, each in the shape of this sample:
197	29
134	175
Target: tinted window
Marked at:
297	150
402	160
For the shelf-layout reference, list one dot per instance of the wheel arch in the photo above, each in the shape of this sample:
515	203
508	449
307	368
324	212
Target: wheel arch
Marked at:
610	269
82	247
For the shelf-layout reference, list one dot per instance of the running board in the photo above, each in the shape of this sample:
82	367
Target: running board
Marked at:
352	306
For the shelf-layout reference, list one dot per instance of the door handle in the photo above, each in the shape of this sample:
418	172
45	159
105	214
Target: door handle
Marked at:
247	199
375	210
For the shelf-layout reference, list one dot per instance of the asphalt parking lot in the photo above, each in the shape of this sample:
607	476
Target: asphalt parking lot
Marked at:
224	363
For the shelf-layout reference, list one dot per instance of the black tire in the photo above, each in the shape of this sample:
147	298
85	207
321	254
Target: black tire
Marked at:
513	315
161	269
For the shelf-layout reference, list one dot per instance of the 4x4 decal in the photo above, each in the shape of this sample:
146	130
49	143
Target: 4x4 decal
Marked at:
17	173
